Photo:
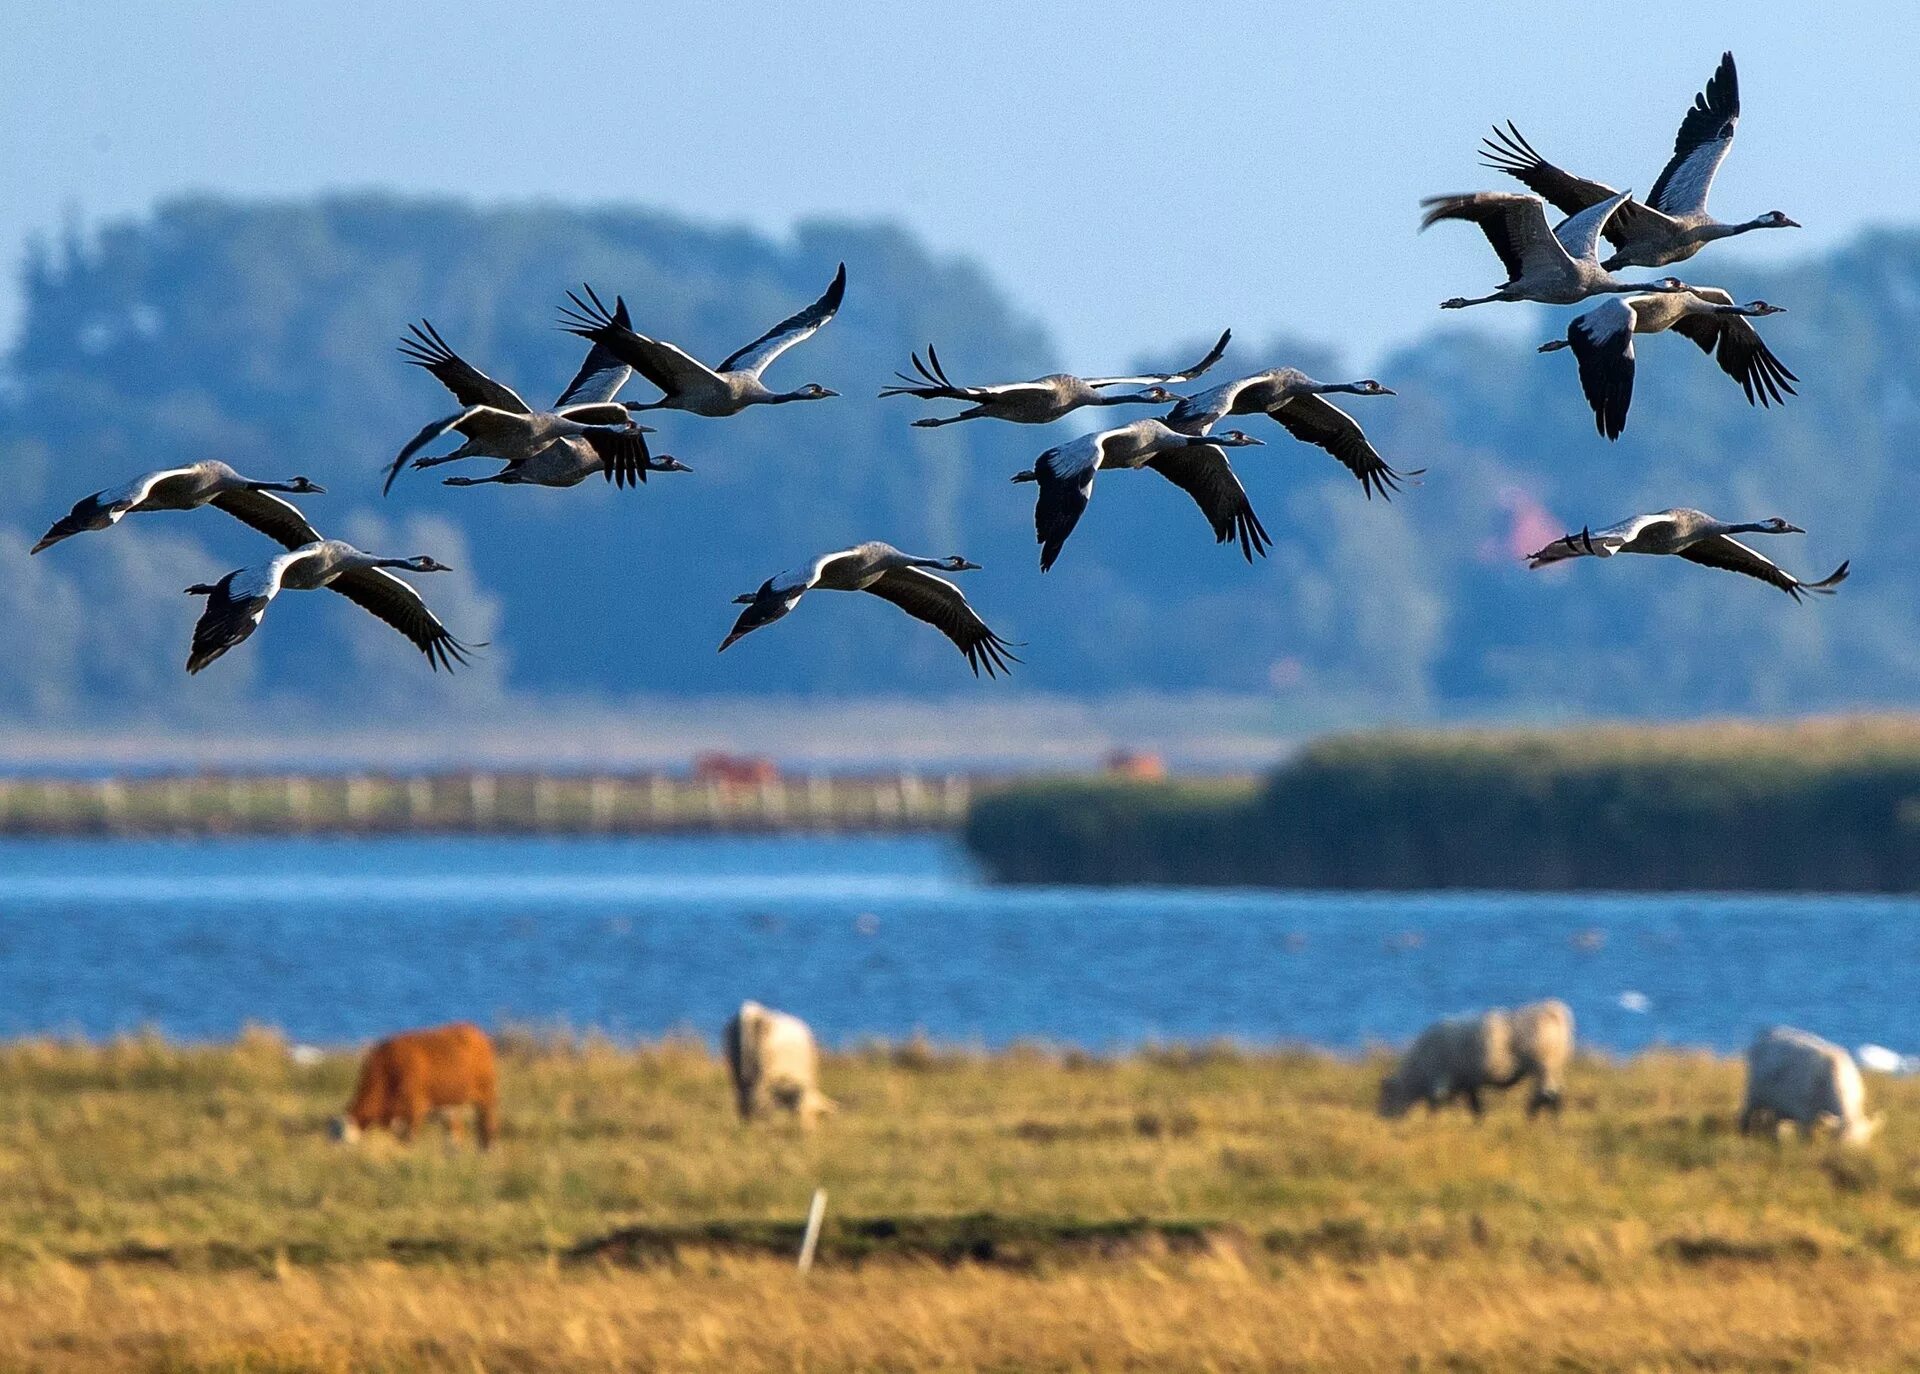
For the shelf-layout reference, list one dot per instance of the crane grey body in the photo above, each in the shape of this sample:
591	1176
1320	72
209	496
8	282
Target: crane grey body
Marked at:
1196	462
1298	404
238	602
497	423
881	569
1673	224
563	463
1695	536
210	483
688	383
1553	266
1043	399
1602	343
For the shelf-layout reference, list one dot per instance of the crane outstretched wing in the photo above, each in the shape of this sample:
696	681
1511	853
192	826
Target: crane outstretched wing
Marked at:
1724	552
603	372
469	385
1705	139
671	369
1204	473
400	605
796	328
274	517
944	606
1323	424
1186	374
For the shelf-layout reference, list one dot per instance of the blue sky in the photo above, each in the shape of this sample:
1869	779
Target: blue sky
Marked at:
1136	174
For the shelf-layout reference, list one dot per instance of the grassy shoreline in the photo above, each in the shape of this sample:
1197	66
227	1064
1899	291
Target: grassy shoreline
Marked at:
1824	805
177	1208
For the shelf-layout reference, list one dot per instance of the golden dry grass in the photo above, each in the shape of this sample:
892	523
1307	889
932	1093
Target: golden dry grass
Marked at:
177	1209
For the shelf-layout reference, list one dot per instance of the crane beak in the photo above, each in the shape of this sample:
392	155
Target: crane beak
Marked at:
1795	529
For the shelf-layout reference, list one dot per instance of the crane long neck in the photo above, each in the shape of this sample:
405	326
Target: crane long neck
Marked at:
1747	527
1707	233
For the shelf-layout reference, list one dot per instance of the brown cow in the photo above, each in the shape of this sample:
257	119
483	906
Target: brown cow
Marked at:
406	1077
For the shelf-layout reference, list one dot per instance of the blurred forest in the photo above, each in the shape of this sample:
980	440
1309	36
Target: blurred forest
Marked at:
263	333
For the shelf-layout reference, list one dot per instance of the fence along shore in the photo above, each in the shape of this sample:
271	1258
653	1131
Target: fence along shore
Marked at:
483	802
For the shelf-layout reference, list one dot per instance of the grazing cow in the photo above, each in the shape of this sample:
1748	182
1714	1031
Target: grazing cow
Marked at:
1798	1077
412	1074
773	1061
1458	1058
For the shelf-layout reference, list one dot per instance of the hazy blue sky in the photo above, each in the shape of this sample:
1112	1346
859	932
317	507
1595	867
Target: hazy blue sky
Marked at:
1135	173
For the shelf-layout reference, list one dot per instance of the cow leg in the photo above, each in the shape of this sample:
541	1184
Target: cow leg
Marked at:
456	1127
1748	1118
1474	1105
486	1121
413	1111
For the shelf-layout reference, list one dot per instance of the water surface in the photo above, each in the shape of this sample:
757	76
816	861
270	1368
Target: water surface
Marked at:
339	940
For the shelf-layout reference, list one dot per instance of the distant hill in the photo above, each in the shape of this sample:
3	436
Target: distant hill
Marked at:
263	333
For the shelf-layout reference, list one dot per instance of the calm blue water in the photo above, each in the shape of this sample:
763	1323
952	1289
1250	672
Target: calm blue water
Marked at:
340	940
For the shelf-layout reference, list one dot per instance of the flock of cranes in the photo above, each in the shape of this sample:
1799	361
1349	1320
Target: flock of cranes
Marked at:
587	430
1561	265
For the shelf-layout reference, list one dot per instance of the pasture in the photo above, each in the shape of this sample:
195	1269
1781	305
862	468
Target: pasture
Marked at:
165	1207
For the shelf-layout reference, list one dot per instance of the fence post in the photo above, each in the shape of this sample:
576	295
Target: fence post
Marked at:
816	1214
419	802
480	796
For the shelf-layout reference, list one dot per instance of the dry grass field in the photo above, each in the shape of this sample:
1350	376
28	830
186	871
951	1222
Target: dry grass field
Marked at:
178	1209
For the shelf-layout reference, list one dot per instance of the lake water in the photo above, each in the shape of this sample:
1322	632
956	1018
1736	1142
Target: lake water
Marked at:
342	940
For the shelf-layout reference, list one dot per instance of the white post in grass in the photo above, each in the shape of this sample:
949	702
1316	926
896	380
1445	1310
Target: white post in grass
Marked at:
816	1214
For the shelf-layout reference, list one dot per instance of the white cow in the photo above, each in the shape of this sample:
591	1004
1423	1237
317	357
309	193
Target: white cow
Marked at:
773	1061
1796	1076
1496	1049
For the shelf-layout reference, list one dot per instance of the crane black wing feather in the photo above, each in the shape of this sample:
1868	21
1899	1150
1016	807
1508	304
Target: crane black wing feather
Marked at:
1186	374
469	385
277	519
1507	150
942	605
1058	508
1606	361
1204	473
671	369
1323	424
1705	138
226	621
623	453
1729	554
400	605
1733	343
796	328
603	372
